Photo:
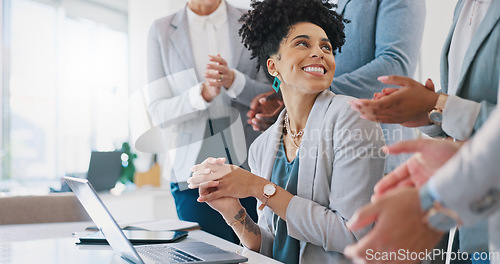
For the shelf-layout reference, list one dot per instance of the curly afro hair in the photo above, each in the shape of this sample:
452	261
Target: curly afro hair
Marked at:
268	23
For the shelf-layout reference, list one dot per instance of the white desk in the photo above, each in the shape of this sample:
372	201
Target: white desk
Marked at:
54	243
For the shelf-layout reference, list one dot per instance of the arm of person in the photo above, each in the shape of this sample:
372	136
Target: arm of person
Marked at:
172	107
397	48
239	86
461	117
357	166
409	106
264	110
474	165
235	216
399	229
252	88
218	181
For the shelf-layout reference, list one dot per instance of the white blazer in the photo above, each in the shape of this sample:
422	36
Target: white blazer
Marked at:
170	60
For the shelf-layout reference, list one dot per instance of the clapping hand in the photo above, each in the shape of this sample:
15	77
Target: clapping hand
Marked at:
218	74
429	157
399	229
408	105
264	110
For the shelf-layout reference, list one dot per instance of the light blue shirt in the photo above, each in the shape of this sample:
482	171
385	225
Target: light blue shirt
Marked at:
285	174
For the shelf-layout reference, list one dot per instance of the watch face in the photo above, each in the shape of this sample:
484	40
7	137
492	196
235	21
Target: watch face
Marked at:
269	189
436	117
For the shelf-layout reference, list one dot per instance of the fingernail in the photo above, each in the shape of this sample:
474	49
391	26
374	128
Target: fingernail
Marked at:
206	171
383	78
385	149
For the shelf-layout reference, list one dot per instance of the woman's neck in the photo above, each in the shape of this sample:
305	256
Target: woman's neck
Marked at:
202	10
298	107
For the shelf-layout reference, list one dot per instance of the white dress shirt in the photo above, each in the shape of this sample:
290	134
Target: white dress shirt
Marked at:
472	14
470	18
210	36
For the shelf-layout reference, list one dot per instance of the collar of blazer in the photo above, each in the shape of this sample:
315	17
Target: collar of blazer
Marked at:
308	147
181	40
489	22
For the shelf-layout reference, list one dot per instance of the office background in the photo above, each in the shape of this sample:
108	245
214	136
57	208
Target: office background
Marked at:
67	69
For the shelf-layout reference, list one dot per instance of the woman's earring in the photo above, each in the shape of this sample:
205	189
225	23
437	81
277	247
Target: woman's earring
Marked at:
277	82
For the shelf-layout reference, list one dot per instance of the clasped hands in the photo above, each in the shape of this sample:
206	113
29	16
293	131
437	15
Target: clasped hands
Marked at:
217	75
215	180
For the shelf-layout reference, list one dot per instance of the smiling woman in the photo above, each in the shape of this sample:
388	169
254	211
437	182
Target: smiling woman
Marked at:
304	206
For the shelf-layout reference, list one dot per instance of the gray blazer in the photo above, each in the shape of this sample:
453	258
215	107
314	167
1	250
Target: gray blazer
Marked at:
168	53
479	82
340	163
479	77
469	183
383	38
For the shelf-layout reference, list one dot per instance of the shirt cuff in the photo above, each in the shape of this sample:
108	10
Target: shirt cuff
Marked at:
238	84
432	130
195	98
459	117
432	190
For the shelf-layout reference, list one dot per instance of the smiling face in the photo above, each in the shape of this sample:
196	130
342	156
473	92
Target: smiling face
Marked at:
305	61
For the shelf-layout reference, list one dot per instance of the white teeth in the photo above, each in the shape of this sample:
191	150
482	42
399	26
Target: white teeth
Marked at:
314	69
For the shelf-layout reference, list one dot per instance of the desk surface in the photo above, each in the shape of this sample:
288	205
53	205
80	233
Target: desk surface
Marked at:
54	243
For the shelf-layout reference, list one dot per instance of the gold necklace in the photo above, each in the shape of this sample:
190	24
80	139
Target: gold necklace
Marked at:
293	135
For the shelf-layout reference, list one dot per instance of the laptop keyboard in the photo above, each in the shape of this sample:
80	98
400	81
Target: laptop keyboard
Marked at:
166	254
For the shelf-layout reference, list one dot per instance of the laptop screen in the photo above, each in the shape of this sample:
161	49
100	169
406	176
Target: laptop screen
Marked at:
102	218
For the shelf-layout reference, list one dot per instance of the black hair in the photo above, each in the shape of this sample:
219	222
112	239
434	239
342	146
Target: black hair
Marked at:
268	23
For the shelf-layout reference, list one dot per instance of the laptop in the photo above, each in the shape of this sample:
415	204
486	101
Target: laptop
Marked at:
183	252
105	168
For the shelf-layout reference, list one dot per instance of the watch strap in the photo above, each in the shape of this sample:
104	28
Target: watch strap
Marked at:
437	216
441	102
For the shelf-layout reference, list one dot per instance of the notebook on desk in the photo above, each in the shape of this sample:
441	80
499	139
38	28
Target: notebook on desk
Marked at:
192	252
